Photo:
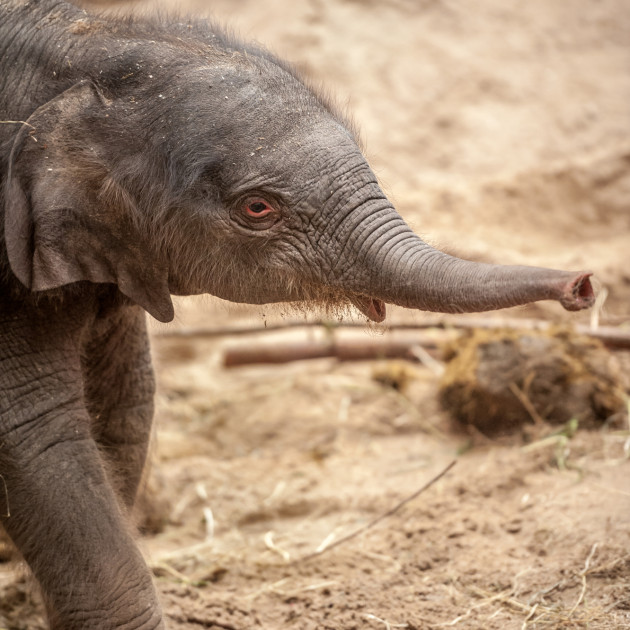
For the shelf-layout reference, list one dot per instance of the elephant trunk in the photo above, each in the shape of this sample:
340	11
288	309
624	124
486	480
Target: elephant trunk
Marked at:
411	273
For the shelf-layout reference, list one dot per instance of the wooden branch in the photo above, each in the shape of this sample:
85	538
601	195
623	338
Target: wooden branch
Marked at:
611	336
346	348
342	349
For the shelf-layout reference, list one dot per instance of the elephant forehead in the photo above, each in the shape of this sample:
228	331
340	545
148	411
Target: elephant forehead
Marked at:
320	148
242	95
298	159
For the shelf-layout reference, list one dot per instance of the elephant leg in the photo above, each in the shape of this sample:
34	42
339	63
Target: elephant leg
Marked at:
57	503
119	391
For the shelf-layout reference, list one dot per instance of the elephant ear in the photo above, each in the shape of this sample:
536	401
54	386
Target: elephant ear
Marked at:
60	225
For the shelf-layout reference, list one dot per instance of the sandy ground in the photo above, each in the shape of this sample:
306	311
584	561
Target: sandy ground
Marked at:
501	130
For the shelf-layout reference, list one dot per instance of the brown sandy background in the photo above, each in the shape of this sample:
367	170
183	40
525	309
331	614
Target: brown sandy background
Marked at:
501	130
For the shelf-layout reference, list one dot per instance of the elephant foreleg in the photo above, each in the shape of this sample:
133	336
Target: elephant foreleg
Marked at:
58	504
119	388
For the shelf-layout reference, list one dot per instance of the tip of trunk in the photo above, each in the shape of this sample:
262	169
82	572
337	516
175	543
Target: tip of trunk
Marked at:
578	294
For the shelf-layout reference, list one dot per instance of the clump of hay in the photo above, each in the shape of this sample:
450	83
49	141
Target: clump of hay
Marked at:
499	380
395	374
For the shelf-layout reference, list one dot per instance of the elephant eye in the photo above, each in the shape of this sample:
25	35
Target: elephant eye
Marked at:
258	208
256	213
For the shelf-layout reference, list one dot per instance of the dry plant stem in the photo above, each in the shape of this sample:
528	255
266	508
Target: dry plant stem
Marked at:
310	587
546	614
598	308
16	122
424	357
171	571
271	545
499	596
275	589
583	577
506	598
539	595
387	625
267	588
208	623
192	551
608	567
380	518
527	403
532	612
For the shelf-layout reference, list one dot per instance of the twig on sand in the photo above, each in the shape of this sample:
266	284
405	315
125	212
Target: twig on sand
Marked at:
532	612
286	593
600	569
582	574
182	552
489	600
387	625
206	622
167	568
380	518
270	544
536	612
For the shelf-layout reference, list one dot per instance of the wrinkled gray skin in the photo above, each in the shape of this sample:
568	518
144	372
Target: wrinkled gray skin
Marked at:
156	160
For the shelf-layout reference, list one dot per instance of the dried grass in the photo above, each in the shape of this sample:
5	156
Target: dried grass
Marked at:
539	615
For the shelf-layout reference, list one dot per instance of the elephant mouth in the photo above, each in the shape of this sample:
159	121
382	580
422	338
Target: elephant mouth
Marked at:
372	308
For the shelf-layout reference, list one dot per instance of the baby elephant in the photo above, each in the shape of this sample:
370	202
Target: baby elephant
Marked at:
139	160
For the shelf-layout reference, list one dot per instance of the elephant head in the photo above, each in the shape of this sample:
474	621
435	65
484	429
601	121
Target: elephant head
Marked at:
220	172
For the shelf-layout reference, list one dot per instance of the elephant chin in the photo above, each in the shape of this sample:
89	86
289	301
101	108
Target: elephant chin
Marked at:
372	308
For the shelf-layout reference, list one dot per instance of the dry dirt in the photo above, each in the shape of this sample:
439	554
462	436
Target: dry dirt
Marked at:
502	132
